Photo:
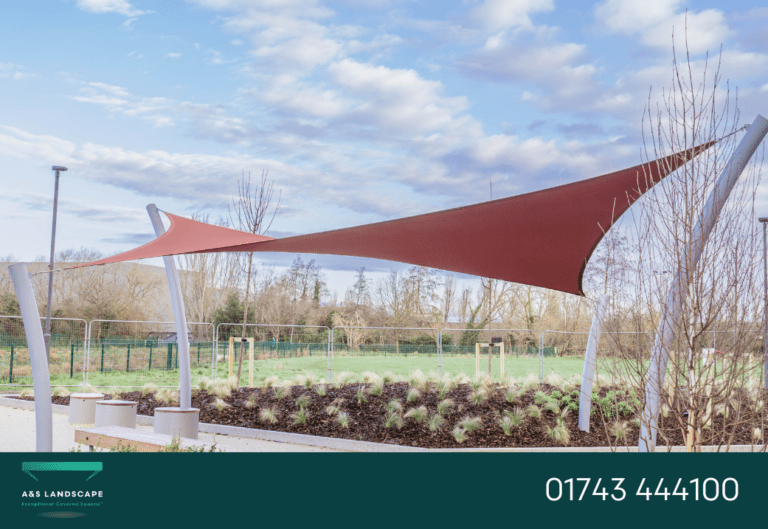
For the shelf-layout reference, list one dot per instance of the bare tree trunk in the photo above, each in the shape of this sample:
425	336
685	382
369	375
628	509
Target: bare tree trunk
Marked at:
245	318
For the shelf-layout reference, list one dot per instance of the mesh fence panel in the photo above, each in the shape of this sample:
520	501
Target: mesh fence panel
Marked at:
149	350
67	350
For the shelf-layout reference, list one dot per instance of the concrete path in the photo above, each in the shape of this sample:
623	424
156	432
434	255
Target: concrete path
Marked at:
17	434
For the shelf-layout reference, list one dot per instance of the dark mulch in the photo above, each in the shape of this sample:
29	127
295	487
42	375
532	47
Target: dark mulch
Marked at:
367	419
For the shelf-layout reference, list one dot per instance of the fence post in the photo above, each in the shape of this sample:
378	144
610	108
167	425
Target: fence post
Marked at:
198	353
10	375
71	361
169	360
102	357
177	356
150	355
128	359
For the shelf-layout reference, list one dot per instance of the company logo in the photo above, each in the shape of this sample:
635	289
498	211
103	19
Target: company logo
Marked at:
59	496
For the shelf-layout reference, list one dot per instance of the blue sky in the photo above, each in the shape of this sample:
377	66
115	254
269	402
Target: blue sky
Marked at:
361	111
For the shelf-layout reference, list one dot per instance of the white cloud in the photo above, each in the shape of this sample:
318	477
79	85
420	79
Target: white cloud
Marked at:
653	21
19	143
494	15
173	55
300	53
237	42
396	99
121	7
112	89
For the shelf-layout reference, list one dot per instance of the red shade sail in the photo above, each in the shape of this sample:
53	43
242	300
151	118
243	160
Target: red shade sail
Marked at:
542	239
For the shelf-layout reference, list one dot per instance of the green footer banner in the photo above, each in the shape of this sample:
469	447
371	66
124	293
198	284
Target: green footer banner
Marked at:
382	490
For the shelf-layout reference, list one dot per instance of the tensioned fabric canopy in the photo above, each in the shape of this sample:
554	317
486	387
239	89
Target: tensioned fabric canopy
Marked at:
544	238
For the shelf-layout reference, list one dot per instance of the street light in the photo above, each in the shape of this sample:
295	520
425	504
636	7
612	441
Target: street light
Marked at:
765	301
47	335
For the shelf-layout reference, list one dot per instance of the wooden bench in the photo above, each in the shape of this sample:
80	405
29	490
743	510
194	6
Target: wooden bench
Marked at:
143	441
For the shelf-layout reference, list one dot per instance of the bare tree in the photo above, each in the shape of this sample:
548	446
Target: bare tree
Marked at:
697	388
250	210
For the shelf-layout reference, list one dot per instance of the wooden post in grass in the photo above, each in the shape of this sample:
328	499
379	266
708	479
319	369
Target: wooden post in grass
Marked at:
231	358
250	341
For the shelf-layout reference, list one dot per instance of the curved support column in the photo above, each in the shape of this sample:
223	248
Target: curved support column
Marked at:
590	361
37	358
679	289
179	315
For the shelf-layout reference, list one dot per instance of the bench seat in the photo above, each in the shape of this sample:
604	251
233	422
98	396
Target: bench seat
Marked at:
143	441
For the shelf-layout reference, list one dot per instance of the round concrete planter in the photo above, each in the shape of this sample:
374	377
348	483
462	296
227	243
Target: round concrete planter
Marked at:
116	413
181	422
82	407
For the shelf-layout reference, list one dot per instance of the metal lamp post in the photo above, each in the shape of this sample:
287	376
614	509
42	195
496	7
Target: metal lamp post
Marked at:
47	335
765	304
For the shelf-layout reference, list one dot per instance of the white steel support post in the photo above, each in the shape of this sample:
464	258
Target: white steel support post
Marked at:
590	361
179	315
36	344
679	289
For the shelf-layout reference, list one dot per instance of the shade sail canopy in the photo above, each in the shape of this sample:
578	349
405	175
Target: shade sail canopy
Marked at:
543	239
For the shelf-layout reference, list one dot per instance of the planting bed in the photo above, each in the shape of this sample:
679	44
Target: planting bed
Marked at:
367	420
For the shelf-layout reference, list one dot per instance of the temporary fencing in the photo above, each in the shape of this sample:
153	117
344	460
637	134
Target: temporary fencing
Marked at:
68	337
92	352
148	347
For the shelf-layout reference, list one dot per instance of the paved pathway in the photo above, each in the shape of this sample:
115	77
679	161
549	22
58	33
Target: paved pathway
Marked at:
17	434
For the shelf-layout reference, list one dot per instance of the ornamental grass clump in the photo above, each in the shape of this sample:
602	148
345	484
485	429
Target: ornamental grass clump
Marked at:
280	392
620	430
268	415
510	394
303	401
309	381
300	417
416	379
445	386
413	395
251	402
539	398
435	422
505	421
271	381
471	423
369	377
167	395
361	395
388	377
552	406
221	390
516	416
203	384
460	434
559	434
479	396
149	387
393	419
533	411
344	378
444	407
377	388
394	406
60	392
343	419
219	404
417	414
321	390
